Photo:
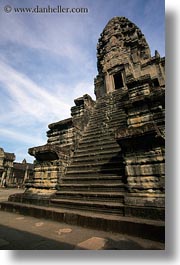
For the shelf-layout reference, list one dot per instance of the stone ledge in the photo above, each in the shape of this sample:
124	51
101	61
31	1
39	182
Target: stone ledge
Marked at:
67	123
47	152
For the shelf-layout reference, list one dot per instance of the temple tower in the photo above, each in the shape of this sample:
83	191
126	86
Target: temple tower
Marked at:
123	54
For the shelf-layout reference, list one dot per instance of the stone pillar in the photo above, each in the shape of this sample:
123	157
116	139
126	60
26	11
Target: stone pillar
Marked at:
109	83
3	177
25	175
9	171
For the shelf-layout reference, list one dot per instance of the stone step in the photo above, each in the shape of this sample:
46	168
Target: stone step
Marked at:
97	141
116	115
103	158
92	179
98	154
92	170
100	126
91	196
95	160
107	101
92	174
101	105
95	206
100	165
115	123
96	138
96	165
98	147
107	104
94	151
144	228
96	133
104	128
99	133
98	116
115	112
92	187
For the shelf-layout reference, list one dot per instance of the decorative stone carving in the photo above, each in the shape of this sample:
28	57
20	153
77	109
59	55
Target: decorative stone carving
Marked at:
122	43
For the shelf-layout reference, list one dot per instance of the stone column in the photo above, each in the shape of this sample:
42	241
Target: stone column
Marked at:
3	177
25	175
9	171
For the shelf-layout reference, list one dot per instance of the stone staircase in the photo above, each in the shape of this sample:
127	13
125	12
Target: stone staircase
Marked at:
94	181
91	194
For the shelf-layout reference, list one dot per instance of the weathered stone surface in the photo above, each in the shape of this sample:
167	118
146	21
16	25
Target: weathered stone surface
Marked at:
53	158
14	174
122	49
93	243
6	166
109	156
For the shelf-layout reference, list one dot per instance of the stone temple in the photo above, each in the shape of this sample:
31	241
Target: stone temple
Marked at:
104	166
13	174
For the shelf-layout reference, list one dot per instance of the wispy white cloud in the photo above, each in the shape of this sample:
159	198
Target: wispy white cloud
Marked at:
79	89
28	110
30	99
20	137
41	33
31	107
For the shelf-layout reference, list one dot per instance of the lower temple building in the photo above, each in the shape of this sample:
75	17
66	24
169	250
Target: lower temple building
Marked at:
107	160
14	174
22	173
6	166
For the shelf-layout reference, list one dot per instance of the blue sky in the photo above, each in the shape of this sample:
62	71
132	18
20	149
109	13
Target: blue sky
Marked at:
48	60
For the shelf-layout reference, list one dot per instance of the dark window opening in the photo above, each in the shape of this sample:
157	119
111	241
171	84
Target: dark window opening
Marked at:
156	82
118	81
